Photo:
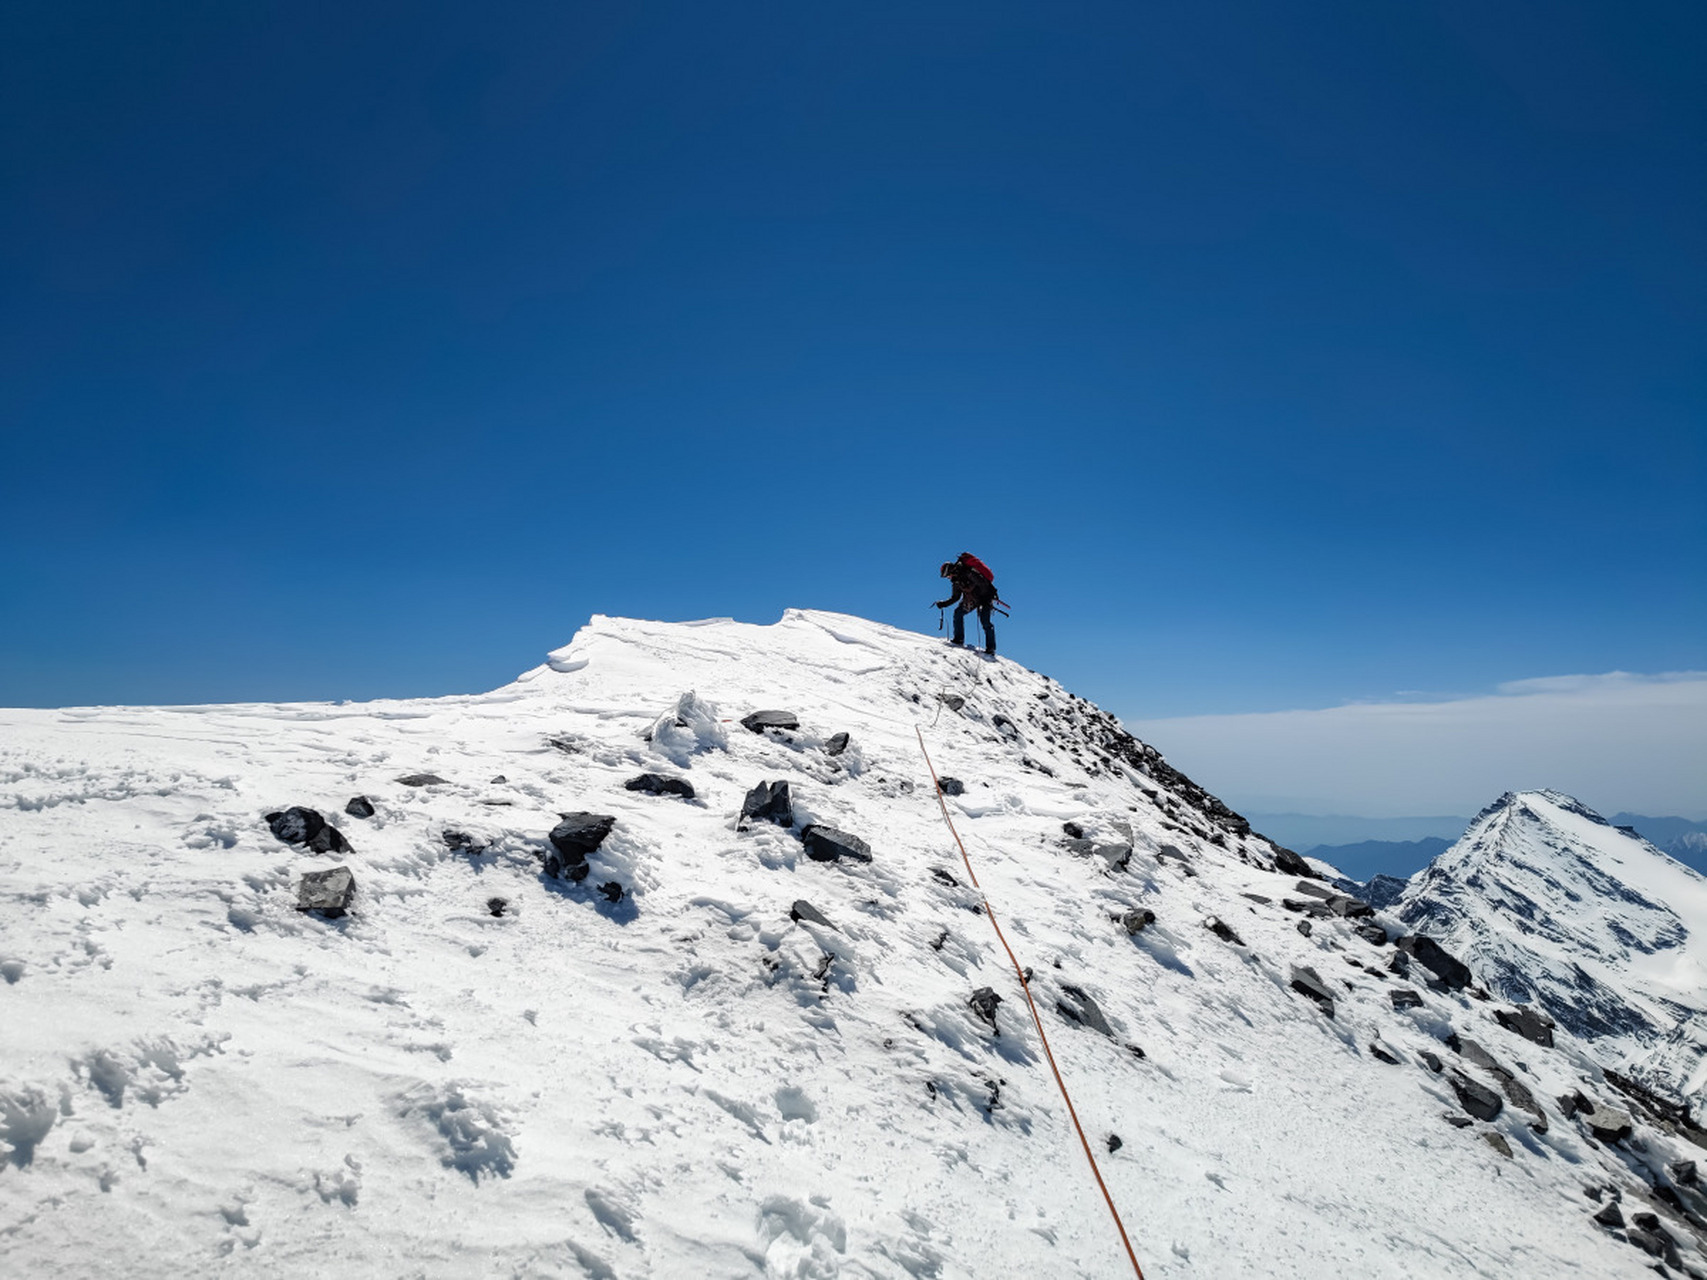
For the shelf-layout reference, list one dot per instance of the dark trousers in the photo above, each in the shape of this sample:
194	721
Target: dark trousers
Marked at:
960	612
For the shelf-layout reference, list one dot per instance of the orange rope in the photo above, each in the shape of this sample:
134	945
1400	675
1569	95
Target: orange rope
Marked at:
1026	987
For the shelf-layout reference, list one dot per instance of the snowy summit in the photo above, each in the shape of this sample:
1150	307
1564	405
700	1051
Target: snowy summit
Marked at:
662	962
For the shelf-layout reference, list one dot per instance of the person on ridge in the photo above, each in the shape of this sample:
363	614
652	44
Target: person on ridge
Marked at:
974	591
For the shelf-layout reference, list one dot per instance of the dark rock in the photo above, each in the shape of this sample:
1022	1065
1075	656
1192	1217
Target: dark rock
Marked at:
953	701
1647	1221
297	825
1572	1103
1352	909
952	786
1073	830
326	892
1475	1097
1457	1121
1518	1094
1079	845
359	807
573	839
1290	864
1654	1240
497	906
1529	1023
943	877
1382	1052
826	844
1433	1060
1079	1008
1307	982
611	890
462	842
1669	1196
1435	958
1321	891
1609	1216
769	802
1174	852
1305	928
1116	855
1257	897
759	721
804	910
1608	1125
1222	931
1405	998
1114	1143
1473	1052
1399	963
1373	934
1498	1143
1684	1173
657	784
495	781
1136	919
837	744
984	1001
422	780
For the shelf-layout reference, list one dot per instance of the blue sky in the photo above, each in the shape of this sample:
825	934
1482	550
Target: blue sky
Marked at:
1275	356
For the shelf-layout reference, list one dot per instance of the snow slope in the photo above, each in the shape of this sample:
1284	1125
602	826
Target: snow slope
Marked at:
1552	904
197	1078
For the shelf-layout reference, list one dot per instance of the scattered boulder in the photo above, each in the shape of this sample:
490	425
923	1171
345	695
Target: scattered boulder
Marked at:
1136	919
983	1003
953	701
1307	982
826	844
499	779
462	842
1079	1009
1383	1053
1607	1124
1529	1023
1498	1143
1470	1051
1457	1121
1570	1104
297	825
327	893
657	784
1258	898
769	802
1223	931
1288	863
497	906
1432	1060
804	910
1609	1216
759	721
1405	998
1475	1097
1114	1143
1305	928
573	839
359	807
1451	971
1373	934
944	877
837	744
1646	1234
422	780
1352	909
1321	891
1167	851
1684	1173
1073	830
1116	855
612	891
951	786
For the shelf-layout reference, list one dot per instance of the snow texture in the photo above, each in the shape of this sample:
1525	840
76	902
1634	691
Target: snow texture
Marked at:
679	1079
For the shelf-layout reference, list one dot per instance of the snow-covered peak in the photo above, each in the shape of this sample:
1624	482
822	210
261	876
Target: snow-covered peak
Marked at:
661	961
1552	904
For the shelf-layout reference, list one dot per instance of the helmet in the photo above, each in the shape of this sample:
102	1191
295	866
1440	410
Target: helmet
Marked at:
947	568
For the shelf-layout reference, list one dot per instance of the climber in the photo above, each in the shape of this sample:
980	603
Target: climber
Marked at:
975	591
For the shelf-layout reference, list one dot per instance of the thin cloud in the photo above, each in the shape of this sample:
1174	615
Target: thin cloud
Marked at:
1619	740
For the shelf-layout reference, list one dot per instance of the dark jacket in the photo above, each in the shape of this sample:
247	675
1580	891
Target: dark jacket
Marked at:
969	586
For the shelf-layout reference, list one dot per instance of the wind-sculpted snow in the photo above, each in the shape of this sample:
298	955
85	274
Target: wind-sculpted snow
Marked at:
719	1051
1552	905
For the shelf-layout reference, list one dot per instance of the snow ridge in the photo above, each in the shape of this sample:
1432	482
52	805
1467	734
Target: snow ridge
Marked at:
714	1054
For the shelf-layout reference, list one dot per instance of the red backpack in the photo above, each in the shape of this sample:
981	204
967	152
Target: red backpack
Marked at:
978	566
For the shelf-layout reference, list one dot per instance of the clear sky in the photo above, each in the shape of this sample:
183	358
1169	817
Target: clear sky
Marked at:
1276	356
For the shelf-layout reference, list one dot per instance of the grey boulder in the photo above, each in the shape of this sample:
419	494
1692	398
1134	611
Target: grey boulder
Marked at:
359	807
1077	1007
297	825
804	910
1308	983
759	721
826	844
1529	1023
572	839
658	784
326	893
1450	970
769	802
837	744
421	780
951	786
1475	1097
